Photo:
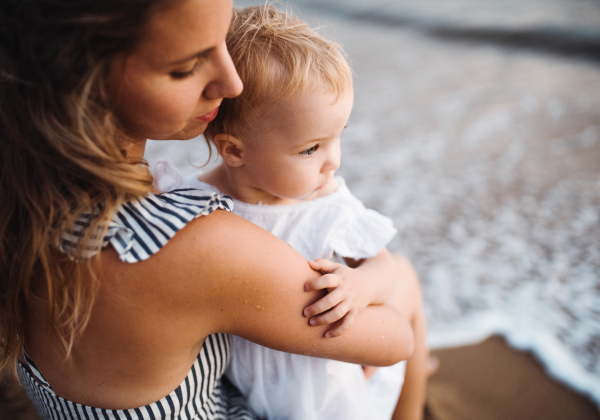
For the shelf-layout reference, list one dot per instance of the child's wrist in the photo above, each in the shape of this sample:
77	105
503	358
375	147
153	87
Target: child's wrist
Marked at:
367	293
369	296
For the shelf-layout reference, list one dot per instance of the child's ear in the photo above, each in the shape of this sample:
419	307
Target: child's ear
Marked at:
231	149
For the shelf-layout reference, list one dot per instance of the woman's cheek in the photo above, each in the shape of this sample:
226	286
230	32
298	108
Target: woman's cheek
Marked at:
178	102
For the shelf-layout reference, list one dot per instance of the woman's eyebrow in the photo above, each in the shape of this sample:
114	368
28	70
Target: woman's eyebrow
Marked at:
195	55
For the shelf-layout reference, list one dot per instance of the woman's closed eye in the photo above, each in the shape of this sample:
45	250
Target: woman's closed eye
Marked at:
310	151
185	74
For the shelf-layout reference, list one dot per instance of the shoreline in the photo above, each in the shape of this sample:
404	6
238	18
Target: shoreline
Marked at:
547	350
492	380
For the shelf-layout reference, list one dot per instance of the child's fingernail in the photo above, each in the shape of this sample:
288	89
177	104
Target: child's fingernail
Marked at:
313	322
306	287
306	313
327	335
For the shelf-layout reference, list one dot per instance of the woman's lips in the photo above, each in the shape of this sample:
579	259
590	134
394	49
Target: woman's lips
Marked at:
208	117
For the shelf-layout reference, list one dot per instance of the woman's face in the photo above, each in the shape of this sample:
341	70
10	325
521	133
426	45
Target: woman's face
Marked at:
171	85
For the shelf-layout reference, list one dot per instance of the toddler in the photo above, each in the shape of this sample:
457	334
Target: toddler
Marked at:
280	147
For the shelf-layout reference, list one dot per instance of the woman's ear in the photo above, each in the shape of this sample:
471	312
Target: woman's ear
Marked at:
231	149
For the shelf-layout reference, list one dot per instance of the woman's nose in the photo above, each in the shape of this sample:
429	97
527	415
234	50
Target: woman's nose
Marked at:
226	82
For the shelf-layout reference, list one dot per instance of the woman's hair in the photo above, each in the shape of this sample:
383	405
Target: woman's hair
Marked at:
276	55
61	154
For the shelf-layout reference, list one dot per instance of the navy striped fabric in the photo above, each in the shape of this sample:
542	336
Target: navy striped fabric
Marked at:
204	394
139	229
142	227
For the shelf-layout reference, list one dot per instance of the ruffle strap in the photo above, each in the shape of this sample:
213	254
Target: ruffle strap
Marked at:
141	227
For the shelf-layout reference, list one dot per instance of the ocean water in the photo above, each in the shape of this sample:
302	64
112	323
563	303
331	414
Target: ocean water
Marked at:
476	128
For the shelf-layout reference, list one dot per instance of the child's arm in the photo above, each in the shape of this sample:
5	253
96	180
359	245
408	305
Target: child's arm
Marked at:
350	289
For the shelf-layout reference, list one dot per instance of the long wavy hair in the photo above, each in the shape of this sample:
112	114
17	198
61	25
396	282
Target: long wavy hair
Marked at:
61	154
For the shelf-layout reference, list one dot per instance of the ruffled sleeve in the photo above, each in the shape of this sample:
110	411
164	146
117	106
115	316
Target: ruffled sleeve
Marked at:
353	231
360	235
140	228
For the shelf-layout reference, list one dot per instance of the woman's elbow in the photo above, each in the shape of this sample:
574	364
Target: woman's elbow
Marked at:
401	350
407	348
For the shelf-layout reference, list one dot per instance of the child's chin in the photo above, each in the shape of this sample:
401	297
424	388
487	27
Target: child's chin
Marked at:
311	195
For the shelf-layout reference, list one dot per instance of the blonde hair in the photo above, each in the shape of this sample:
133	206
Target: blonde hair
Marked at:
276	56
61	154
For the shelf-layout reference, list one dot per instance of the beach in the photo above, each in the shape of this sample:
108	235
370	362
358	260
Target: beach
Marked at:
493	381
476	128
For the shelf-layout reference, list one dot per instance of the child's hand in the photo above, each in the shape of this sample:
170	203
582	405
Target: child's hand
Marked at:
346	298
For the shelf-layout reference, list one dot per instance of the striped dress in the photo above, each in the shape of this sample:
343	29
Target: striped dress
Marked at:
137	231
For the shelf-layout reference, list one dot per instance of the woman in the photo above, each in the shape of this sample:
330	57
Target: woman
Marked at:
94	313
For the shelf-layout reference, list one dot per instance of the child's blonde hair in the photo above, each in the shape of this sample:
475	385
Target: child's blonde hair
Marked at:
276	56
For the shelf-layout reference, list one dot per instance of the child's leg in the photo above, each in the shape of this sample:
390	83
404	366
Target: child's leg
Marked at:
407	295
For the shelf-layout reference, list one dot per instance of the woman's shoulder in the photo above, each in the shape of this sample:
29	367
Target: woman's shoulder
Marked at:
141	227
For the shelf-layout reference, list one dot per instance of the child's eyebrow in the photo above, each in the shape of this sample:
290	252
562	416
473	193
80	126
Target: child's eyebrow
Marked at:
314	140
318	140
192	56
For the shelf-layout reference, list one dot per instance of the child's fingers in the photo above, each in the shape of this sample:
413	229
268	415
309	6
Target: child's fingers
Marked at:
324	304
331	316
326	281
323	265
342	327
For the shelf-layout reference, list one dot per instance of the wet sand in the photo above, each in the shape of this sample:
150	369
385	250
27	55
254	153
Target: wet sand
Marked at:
492	381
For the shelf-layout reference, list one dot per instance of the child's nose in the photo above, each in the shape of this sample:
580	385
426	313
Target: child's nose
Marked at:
333	160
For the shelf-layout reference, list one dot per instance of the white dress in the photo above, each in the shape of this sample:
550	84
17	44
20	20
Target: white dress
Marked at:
284	386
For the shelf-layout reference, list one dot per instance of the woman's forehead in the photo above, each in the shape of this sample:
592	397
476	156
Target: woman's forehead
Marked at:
185	29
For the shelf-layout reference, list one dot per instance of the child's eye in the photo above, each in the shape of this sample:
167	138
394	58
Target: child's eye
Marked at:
310	151
185	74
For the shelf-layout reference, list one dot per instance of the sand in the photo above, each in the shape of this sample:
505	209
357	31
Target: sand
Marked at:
492	381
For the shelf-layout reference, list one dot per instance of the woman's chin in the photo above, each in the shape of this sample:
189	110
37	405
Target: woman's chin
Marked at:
190	132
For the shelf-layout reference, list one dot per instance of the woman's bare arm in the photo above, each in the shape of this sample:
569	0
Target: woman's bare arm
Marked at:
224	274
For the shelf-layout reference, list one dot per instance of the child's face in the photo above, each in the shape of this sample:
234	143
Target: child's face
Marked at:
294	150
